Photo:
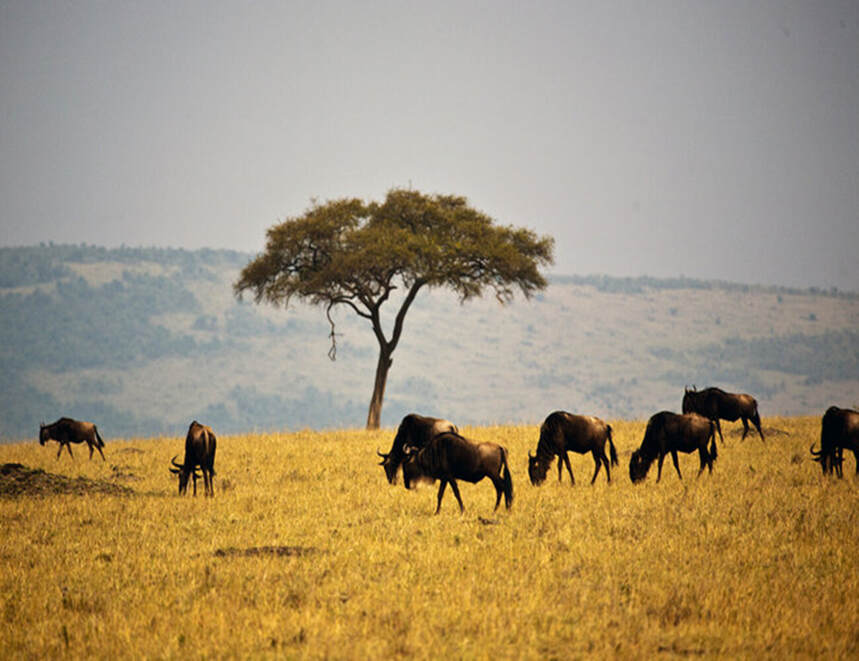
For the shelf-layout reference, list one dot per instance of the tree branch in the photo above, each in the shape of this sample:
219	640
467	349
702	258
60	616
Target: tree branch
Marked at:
401	315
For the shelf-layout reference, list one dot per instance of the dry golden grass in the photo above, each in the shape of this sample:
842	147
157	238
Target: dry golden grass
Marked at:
759	559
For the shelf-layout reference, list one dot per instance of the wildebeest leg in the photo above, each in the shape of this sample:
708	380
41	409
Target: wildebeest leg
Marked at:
676	463
745	428
440	494
659	467
569	468
704	460
456	493
60	451
756	421
69	448
498	483
97	447
719	429
89	445
607	464
598	461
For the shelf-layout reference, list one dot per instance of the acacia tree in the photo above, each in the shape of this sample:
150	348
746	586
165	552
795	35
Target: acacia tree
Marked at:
348	253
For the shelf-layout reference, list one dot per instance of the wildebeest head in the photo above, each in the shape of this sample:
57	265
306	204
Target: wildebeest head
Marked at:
638	467
537	470
829	461
44	434
184	474
390	465
689	399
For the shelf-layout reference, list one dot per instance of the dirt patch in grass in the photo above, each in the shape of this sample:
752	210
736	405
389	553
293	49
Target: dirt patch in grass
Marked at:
266	550
768	432
17	480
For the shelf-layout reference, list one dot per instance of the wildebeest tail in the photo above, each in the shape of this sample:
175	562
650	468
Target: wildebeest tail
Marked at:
713	453
611	451
508	481
98	437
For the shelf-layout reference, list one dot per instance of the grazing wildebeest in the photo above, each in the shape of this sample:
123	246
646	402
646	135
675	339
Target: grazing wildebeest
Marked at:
200	446
414	430
562	432
839	431
670	433
450	457
67	431
715	403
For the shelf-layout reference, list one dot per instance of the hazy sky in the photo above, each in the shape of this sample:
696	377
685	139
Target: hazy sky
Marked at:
711	139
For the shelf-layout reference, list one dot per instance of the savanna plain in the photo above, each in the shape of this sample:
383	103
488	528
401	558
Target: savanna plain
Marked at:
307	552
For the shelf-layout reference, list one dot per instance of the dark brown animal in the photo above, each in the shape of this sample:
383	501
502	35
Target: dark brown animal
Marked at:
715	403
839	431
670	433
414	430
67	431
450	457
564	432
200	444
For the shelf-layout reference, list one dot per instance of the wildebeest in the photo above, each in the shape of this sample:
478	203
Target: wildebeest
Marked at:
670	433
839	431
562	432
416	431
715	403
67	431
200	444
450	457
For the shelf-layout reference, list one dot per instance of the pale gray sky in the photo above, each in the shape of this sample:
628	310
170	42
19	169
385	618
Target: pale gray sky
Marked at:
711	139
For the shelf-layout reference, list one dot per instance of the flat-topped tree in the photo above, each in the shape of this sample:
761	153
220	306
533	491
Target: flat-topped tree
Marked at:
347	252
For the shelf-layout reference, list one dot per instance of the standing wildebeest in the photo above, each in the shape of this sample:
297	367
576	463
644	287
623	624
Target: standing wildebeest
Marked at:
67	431
672	433
450	457
416	431
715	403
200	446
839	431
562	432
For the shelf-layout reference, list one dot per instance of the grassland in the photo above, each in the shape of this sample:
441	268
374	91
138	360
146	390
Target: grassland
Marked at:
307	552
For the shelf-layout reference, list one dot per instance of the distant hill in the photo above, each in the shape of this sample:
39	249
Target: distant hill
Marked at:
142	340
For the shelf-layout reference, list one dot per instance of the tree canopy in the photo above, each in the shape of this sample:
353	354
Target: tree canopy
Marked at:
348	252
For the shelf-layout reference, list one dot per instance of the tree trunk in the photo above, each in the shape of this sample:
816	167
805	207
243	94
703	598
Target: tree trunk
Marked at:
374	415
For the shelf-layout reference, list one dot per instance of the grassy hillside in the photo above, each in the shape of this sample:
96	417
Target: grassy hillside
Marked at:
306	552
143	340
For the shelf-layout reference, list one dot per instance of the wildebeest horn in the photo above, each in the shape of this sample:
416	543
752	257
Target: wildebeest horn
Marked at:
173	470
816	454
530	456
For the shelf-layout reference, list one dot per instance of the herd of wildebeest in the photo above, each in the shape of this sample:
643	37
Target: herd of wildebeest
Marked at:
430	449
